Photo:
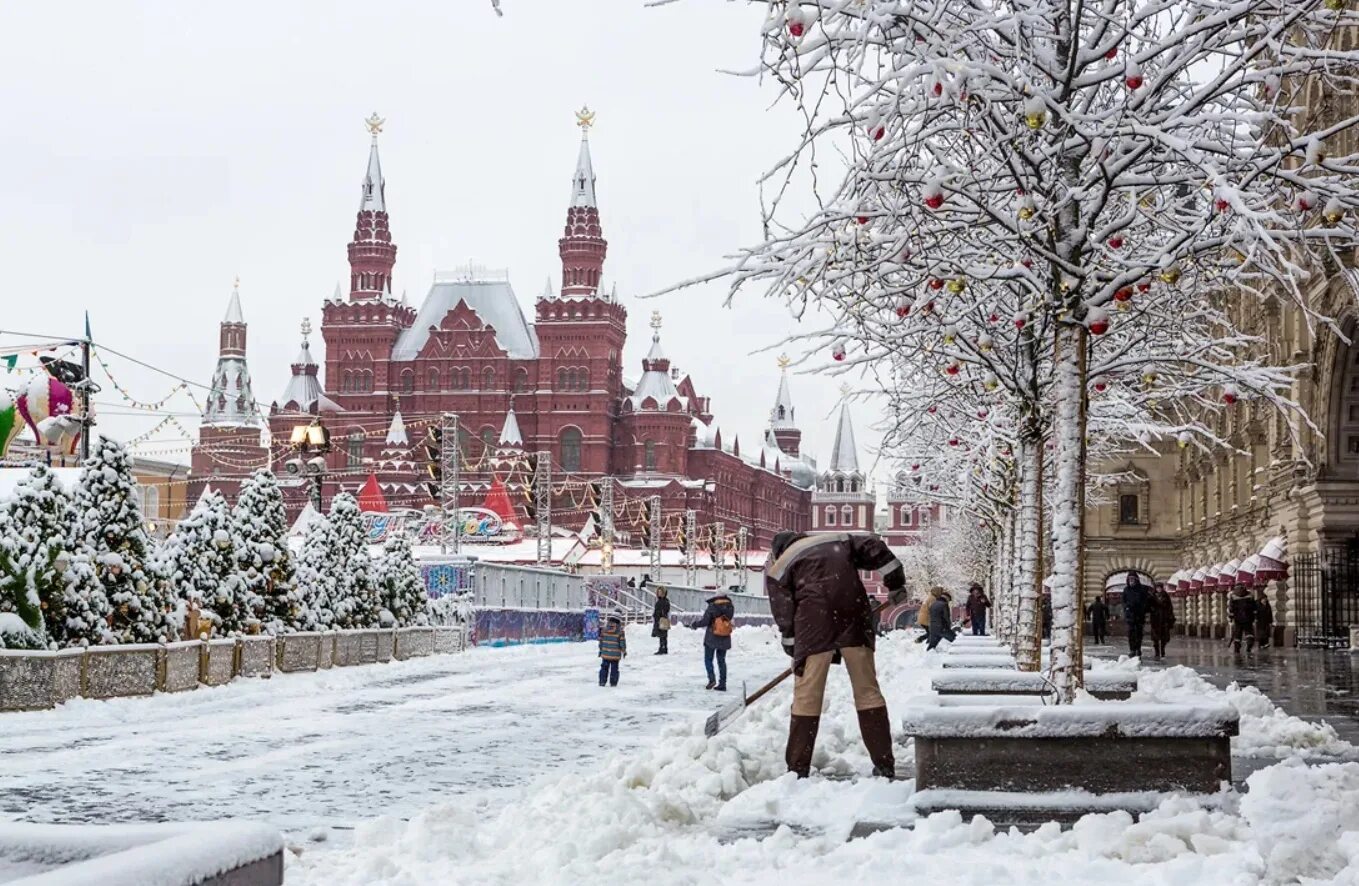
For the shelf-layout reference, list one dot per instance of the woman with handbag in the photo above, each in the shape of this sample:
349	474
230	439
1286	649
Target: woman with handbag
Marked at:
660	621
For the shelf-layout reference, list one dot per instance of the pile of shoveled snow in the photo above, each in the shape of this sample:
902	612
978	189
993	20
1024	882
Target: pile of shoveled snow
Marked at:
694	810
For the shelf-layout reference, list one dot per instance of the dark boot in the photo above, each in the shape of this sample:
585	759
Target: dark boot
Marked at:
801	743
876	730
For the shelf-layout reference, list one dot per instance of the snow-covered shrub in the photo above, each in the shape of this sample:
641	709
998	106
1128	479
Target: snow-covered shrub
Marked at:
197	563
260	529
404	598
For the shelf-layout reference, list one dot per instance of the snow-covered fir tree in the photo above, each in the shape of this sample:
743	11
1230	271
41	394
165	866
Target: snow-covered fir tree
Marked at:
260	530
88	609
356	599
197	563
107	529
33	526
317	577
404	599
1022	181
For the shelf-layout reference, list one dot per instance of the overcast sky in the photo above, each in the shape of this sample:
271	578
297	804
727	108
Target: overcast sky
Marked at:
154	151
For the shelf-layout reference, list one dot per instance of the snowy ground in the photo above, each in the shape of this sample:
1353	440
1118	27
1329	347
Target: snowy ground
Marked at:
512	766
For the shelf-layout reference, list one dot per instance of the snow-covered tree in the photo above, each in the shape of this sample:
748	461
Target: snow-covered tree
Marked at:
107	529
88	609
259	526
404	598
33	526
357	602
317	576
197	563
1015	174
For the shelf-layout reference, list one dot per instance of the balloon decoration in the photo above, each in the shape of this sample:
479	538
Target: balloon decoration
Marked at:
47	406
10	424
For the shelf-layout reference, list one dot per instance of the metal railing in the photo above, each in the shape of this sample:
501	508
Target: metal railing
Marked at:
526	587
695	600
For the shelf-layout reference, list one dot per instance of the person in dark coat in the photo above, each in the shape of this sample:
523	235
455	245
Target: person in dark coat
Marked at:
941	620
824	613
660	621
1136	599
1242	608
1161	610
719	620
977	604
1099	619
1264	620
1047	615
613	647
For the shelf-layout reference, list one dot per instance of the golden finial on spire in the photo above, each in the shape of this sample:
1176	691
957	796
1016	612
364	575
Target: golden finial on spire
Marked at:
783	361
585	118
656	320
374	124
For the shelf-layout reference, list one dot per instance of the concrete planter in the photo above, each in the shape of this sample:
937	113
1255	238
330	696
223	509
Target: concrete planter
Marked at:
986	743
449	640
121	671
180	666
217	662
348	648
967	660
414	643
255	657
298	652
1102	685
385	647
32	681
325	651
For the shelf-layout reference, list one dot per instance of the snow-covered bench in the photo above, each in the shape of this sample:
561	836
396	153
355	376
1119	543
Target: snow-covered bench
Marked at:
206	854
1003	681
1002	743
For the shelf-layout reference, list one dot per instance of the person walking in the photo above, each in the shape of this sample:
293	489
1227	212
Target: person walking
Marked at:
922	616
1099	619
1242	608
941	620
1161	610
660	621
1264	620
977	604
1136	598
613	648
825	616
718	619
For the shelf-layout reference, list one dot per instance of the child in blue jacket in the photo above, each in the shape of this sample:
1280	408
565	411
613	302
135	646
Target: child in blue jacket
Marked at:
613	647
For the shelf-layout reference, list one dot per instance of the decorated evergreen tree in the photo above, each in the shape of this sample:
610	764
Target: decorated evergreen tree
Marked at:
33	524
87	608
197	563
260	528
404	599
316	576
107	528
356	595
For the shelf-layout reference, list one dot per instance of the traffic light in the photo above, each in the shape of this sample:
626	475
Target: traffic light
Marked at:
434	462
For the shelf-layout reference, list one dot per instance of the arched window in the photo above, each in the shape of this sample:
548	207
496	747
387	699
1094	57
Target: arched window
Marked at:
488	379
781	415
561	379
905	515
465	378
847	516
830	515
521	383
649	455
150	500
407	381
853	485
345	382
354	450
584	379
433	380
571	449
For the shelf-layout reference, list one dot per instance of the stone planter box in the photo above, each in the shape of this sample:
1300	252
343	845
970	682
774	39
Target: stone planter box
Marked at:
325	651
120	671
348	648
449	640
217	662
414	643
32	681
987	743
180	666
255	657
298	652
1102	685
967	660
386	645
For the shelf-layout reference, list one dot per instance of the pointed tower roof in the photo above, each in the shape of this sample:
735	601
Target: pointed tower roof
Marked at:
396	432
583	182
304	388
509	432
234	313
656	384
845	452
781	417
374	193
370	497
231	400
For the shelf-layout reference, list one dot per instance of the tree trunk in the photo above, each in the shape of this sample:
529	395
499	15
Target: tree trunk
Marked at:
1029	575
1067	517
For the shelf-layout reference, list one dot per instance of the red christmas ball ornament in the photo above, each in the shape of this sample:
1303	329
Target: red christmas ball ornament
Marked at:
796	28
879	133
982	414
1305	201
1144	286
937	89
1027	263
993	318
1021	320
932	409
936	283
953	369
1097	322
934	201
1134	80
903	308
1124	294
838	352
1112	53
1101	387
1115	242
861	219
1230	394
953	441
915	467
1221	205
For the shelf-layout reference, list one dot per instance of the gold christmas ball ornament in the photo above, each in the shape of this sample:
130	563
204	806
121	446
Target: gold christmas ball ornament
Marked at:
1170	276
957	285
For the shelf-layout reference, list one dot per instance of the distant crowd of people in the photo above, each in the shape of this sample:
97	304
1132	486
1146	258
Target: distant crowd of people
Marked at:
1251	616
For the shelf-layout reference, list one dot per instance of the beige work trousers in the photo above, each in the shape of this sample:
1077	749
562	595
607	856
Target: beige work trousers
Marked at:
809	689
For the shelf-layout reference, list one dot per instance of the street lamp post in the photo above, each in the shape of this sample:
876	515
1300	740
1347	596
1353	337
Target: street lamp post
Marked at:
310	440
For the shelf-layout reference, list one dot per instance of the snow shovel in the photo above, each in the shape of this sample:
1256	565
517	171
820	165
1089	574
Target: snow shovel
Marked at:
719	719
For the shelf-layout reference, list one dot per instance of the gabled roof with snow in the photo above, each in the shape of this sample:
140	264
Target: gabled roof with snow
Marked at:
493	301
845	452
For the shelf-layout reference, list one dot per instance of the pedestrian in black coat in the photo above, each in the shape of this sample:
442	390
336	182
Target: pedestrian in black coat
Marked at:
1136	599
1161	610
718	618
1264	620
941	620
1242	608
1099	619
977	604
660	621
